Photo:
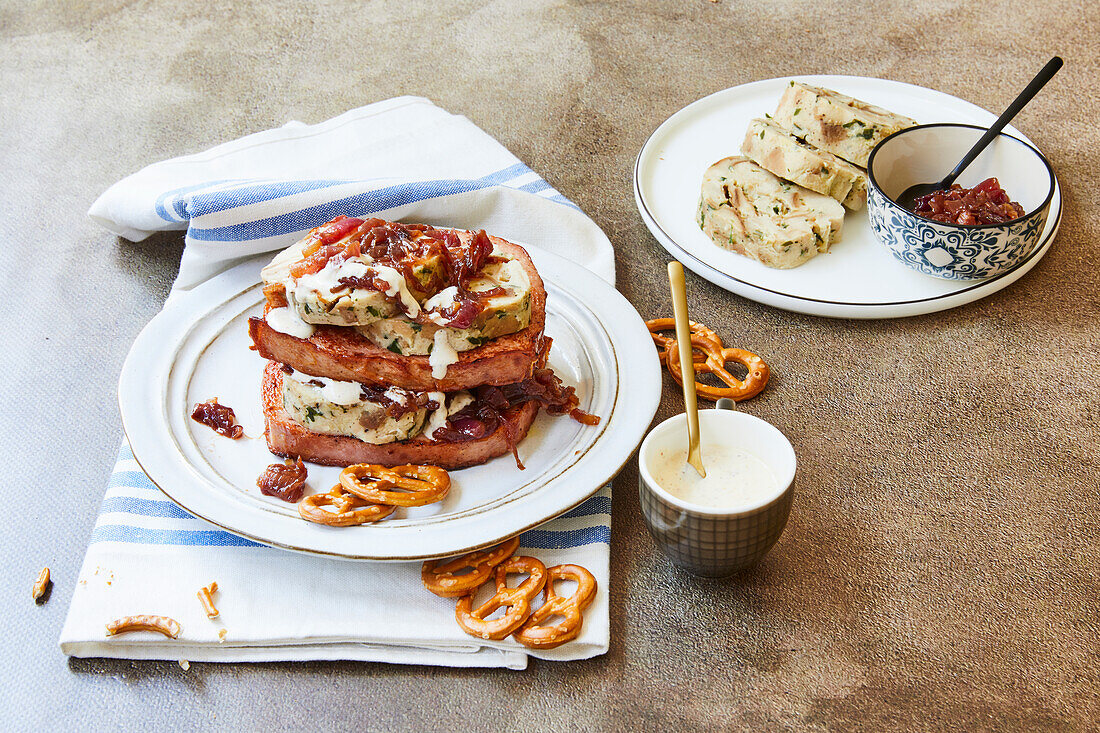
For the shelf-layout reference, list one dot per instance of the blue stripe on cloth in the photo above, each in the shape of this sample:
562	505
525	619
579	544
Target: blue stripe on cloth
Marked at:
506	174
361	204
143	507
144	536
558	198
544	539
252	193
368	202
535	186
595	505
130	478
162	212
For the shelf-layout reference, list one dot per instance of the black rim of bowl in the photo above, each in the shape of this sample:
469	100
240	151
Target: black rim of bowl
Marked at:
963	227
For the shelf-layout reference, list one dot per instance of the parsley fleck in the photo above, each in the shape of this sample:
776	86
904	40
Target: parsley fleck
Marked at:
478	340
306	307
500	314
415	327
868	133
373	311
761	134
792	82
312	413
394	347
797	110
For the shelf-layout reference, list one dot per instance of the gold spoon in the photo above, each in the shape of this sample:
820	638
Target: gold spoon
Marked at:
687	363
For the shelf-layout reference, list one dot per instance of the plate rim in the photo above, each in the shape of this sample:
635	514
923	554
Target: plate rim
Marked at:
832	308
643	380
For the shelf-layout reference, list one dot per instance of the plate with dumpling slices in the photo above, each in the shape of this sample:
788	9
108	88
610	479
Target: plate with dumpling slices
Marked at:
761	189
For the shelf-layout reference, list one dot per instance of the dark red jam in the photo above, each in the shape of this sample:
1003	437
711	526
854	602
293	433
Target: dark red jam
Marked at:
986	203
491	406
286	481
219	418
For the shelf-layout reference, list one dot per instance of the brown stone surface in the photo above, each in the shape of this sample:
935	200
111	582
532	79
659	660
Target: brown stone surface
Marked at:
940	567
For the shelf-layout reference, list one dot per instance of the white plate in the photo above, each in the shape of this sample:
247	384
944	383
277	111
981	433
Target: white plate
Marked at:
197	348
859	278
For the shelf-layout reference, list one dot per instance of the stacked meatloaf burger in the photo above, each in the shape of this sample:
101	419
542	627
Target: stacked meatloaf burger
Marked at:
395	343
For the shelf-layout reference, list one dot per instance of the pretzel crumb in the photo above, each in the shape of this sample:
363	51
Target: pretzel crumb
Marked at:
221	634
205	595
41	585
184	665
161	624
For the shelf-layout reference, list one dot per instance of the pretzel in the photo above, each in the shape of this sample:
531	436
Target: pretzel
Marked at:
445	577
710	356
657	325
516	601
205	595
40	585
349	509
533	634
416	485
162	624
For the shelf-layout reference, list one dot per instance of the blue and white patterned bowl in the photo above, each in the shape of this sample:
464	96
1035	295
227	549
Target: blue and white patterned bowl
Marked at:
952	251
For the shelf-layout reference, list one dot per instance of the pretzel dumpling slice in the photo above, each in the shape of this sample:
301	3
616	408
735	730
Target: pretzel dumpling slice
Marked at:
835	122
750	211
773	148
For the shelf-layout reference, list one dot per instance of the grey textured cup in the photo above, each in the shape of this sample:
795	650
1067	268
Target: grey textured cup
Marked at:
718	542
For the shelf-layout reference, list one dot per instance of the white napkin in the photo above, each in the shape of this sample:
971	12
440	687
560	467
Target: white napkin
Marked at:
404	159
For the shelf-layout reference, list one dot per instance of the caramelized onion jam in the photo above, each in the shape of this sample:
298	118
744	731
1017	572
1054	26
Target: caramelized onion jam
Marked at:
986	203
219	418
488	412
286	481
404	247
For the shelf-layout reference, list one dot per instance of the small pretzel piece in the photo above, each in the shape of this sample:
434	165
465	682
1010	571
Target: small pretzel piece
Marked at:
347	510
516	601
161	624
464	574
533	634
41	585
206	598
397	486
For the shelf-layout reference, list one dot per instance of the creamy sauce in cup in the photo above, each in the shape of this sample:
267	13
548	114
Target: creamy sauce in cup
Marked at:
734	478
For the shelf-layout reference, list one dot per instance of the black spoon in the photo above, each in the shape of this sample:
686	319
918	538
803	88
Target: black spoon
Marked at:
910	195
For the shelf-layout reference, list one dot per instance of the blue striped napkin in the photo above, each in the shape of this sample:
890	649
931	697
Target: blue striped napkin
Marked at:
403	158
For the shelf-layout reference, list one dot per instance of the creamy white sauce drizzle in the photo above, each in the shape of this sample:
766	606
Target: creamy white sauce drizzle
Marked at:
734	478
332	390
442	300
327	278
397	286
442	356
438	418
397	394
286	320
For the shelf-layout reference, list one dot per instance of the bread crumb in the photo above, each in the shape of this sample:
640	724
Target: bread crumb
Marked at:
221	634
184	665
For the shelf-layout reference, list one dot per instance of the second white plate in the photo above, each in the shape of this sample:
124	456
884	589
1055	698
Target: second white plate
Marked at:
858	278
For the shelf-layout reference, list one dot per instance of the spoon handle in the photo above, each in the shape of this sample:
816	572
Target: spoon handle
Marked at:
1013	109
687	363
